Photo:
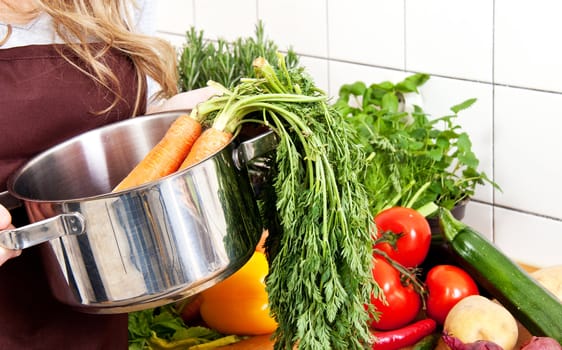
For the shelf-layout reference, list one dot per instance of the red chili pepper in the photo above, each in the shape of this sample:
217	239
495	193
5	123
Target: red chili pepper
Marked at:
405	336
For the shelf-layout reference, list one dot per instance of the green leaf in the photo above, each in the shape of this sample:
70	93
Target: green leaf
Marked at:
390	102
356	89
196	332
464	105
469	159
411	83
415	145
435	154
163	324
442	143
463	142
385	86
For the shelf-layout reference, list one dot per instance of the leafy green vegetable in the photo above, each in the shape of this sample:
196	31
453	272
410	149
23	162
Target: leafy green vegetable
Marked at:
320	273
163	328
226	63
414	160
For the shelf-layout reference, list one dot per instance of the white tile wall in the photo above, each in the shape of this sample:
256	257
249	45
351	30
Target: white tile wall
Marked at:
223	18
369	32
530	238
505	53
286	21
450	38
318	70
527	36
527	141
479	216
182	15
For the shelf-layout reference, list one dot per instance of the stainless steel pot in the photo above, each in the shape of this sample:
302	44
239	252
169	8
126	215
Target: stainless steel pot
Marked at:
118	252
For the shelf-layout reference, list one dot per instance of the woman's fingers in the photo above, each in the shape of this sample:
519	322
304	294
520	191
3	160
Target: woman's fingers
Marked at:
5	218
7	254
5	223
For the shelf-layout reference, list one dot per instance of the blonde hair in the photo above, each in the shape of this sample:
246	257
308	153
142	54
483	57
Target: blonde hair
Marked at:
109	22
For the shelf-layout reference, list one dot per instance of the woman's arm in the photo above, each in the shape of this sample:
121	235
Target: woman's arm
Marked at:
184	100
5	223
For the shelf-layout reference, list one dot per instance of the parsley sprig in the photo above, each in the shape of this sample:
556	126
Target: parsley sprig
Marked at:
415	160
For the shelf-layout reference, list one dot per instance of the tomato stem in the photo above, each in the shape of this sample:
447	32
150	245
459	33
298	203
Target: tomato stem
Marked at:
410	275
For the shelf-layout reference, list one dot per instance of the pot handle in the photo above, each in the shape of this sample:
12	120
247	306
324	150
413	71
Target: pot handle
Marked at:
42	231
251	154
255	147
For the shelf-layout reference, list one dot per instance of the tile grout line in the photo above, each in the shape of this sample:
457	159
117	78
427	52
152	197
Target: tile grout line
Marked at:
493	118
327	58
405	63
516	210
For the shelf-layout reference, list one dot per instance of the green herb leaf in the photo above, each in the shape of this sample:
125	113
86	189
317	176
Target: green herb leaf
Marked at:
411	83
407	151
390	102
464	105
163	327
357	89
224	62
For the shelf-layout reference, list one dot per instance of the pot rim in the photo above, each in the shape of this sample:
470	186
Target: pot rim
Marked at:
14	177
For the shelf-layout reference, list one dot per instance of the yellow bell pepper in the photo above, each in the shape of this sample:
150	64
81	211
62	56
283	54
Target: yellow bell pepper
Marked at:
239	304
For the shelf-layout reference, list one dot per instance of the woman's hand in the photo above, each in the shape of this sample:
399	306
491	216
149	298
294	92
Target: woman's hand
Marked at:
5	223
184	100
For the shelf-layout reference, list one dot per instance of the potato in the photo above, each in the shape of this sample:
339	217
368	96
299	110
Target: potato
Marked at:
551	279
478	318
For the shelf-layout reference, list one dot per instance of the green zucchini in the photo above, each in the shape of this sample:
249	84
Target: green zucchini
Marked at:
531	304
429	342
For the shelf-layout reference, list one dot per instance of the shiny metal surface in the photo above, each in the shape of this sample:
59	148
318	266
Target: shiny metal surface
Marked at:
146	246
260	145
8	201
34	234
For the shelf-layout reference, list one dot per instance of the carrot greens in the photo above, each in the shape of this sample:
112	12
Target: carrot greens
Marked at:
320	271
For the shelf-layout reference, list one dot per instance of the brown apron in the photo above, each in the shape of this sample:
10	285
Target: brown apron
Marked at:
43	101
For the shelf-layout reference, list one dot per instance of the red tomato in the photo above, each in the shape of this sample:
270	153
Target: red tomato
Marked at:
403	303
446	286
413	245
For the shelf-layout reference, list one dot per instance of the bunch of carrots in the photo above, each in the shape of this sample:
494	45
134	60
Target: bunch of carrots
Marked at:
188	142
184	144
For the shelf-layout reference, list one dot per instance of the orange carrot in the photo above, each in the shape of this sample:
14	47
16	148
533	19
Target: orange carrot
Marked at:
211	141
165	158
189	308
260	247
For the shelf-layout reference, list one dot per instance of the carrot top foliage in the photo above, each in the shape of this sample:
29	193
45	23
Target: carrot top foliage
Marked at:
320	272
